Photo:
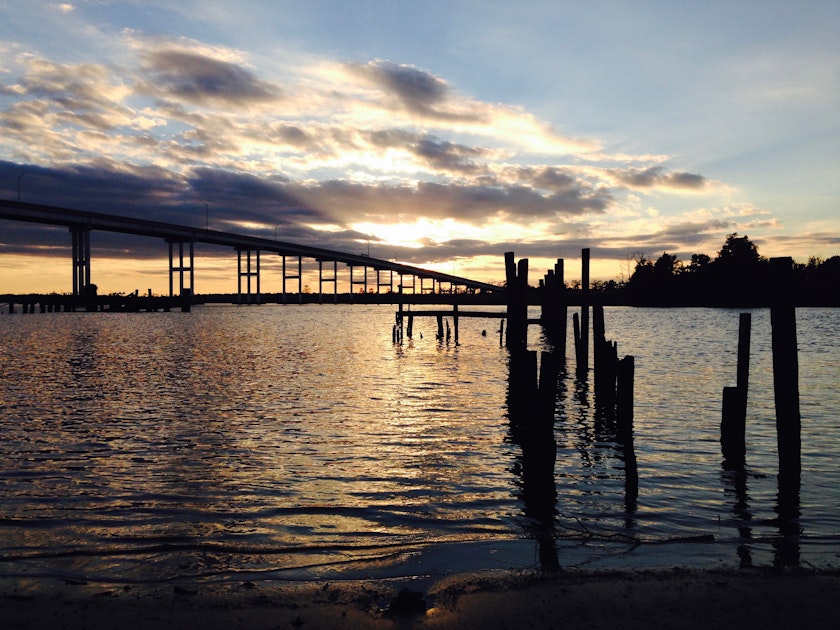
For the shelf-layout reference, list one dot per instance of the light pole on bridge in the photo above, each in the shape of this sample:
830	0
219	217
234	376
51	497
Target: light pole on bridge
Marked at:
18	182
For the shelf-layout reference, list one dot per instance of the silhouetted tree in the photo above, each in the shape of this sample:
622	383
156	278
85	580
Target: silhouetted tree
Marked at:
739	274
699	263
738	250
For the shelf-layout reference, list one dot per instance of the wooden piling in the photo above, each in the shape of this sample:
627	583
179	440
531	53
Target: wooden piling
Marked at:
733	429
602	351
786	375
583	365
522	303
624	396
440	328
517	302
743	372
734	407
562	309
455	322
523	383
510	295
410	329
624	425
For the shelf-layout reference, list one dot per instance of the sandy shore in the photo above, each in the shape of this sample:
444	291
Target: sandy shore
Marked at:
570	599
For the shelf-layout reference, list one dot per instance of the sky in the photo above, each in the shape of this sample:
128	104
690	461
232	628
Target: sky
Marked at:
435	133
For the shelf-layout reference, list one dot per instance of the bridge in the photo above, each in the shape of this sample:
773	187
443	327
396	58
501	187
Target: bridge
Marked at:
181	241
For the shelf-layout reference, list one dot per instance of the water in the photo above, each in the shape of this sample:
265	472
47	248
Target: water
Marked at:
299	443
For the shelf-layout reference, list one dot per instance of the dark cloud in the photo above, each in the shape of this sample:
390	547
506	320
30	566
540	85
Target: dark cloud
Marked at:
656	176
350	202
448	156
553	179
439	155
155	194
200	79
416	91
244	197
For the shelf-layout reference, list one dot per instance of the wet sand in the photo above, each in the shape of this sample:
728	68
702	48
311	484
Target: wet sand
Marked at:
755	598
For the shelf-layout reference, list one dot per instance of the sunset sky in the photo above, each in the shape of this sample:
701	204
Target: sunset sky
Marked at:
436	133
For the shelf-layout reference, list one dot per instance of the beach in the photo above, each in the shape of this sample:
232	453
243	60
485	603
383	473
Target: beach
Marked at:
684	598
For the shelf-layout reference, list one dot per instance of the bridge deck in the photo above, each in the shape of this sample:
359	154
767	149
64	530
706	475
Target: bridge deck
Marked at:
80	219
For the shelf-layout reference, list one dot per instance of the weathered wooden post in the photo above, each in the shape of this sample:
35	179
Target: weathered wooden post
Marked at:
562	309
510	296
624	417
455	322
399	313
522	303
439	336
584	311
604	374
734	413
624	395
786	376
523	382
517	302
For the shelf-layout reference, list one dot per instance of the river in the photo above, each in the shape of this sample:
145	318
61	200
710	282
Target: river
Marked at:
299	443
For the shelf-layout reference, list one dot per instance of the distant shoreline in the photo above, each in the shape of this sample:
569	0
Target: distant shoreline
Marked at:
574	298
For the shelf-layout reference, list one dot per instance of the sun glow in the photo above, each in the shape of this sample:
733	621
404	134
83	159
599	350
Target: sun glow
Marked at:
424	231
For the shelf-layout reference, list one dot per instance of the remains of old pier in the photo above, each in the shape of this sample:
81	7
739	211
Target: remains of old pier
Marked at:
533	383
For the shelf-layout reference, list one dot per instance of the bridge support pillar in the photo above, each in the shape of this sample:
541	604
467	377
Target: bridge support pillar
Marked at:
298	276
181	268
354	281
322	280
249	273
81	257
389	283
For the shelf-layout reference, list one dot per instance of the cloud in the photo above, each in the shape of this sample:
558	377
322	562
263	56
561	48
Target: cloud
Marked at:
199	79
419	92
440	156
657	177
353	146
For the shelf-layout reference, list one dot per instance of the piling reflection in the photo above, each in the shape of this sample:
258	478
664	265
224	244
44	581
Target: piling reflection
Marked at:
531	412
786	545
734	479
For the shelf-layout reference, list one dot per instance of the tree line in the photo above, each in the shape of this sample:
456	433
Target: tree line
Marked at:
738	276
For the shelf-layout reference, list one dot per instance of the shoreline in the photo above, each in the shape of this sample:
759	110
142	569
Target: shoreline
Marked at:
678	597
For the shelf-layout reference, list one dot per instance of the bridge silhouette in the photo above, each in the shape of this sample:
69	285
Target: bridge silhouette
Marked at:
181	242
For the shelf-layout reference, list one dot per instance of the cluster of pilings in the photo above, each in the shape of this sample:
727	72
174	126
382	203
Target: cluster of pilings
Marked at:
553	306
788	420
532	394
785	388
